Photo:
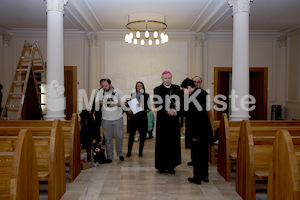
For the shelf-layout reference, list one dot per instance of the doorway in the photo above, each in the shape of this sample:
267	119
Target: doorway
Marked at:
257	87
70	77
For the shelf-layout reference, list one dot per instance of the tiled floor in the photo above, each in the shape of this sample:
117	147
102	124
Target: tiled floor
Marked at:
136	178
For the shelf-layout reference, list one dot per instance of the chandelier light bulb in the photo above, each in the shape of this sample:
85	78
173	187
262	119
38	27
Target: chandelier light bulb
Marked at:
155	35
157	41
130	41
135	41
126	38
162	35
142	42
147	34
131	35
166	38
138	34
163	41
150	42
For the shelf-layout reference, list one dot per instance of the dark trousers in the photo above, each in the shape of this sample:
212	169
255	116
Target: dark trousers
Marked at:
199	152
131	139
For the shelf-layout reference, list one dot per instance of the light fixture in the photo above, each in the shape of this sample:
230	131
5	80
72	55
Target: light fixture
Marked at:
147	27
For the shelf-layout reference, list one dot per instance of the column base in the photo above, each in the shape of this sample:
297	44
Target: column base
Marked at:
54	117
239	117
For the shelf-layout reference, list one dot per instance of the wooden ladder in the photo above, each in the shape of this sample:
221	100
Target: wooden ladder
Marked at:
31	65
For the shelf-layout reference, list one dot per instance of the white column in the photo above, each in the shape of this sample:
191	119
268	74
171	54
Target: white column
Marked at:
240	61
56	102
198	70
92	70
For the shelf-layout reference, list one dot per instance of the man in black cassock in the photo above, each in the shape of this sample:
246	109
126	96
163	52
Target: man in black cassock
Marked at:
167	144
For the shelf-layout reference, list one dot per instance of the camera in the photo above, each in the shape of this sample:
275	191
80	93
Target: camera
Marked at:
109	101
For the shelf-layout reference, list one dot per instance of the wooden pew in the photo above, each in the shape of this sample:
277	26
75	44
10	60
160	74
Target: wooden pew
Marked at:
284	172
18	168
229	136
227	146
49	149
255	147
71	134
211	149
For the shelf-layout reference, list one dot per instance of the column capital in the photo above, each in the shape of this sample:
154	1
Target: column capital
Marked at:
92	37
240	5
199	39
6	38
282	40
56	5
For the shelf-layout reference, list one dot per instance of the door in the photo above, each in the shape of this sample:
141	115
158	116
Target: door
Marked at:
257	87
70	76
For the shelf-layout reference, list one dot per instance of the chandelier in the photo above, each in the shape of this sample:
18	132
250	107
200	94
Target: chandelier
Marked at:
146	32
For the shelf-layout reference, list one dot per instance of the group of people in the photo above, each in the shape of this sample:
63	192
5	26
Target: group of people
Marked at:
171	102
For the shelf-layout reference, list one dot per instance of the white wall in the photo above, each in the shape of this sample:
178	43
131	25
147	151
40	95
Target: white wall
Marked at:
125	64
292	106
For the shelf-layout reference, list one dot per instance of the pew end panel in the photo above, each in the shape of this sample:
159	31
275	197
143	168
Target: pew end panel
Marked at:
20	169
284	178
57	167
75	163
245	182
223	148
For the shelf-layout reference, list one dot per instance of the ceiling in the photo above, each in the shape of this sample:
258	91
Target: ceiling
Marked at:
185	16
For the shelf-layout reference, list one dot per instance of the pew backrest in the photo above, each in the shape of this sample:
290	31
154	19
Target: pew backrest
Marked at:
71	136
229	136
254	157
49	148
18	169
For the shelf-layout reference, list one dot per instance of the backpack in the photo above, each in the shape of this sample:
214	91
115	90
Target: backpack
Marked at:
98	154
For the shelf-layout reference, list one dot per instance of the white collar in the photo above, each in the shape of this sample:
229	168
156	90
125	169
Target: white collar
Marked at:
168	86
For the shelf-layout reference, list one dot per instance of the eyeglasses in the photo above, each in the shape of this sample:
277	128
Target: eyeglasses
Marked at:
197	82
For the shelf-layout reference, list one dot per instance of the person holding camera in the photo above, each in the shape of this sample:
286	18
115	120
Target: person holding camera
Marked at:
167	144
110	100
138	120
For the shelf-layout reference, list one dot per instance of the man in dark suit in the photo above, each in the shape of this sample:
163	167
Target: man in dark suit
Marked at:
167	144
198	125
98	117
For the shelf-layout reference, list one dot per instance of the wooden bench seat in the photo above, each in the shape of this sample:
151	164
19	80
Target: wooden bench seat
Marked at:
284	178
71	136
254	156
18	168
50	157
229	137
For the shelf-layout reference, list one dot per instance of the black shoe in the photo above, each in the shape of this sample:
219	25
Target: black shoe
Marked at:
161	171
140	154
190	163
192	180
121	158
171	171
128	154
205	179
108	160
